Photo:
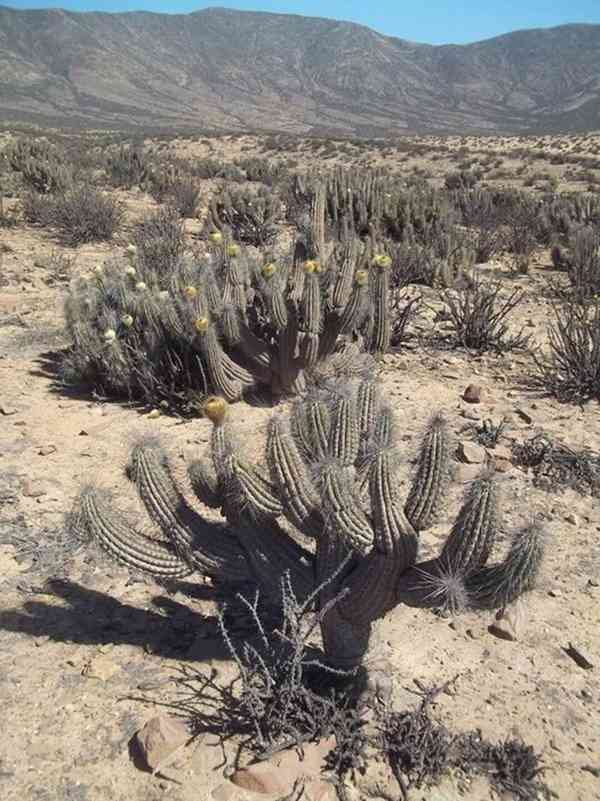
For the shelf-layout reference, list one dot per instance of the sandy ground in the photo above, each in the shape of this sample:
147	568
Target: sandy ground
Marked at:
81	640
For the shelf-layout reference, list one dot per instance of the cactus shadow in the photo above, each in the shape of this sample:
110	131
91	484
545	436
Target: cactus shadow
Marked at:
90	617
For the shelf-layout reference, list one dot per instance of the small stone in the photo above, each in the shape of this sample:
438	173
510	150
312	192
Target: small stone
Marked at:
592	582
526	418
259	778
159	738
224	792
152	415
34	488
473	393
100	667
7	409
554	593
470	453
572	519
501	465
506	624
502	452
46	450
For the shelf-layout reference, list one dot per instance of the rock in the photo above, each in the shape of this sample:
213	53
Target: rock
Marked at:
159	738
278	775
471	453
572	519
473	393
46	450
592	582
501	465
100	667
224	792
507	624
524	416
7	408
34	487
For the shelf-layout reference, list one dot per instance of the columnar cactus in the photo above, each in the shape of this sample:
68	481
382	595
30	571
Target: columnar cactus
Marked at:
326	502
226	324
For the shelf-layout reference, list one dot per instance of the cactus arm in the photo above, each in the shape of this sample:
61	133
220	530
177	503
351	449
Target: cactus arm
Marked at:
432	472
213	550
471	539
99	517
290	474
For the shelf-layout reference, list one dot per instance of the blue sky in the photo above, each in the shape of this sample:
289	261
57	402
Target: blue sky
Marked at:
434	21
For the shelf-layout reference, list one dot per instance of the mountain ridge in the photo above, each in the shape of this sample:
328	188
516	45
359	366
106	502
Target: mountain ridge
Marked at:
222	69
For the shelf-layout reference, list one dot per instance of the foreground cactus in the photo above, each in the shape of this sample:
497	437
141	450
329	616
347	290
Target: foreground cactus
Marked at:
326	503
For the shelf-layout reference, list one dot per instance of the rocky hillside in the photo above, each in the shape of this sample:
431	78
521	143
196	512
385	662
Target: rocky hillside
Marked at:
223	69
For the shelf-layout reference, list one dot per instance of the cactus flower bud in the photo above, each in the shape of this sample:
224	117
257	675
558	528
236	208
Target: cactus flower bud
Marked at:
215	409
233	251
269	270
130	271
141	285
127	320
110	335
216	237
312	266
382	260
201	325
361	277
190	292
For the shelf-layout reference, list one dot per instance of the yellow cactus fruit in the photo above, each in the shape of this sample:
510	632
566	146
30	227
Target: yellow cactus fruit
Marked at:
215	408
141	285
382	260
130	270
110	335
233	251
312	266
131	250
163	294
216	237
98	270
269	270
190	292
201	325
127	320
361	277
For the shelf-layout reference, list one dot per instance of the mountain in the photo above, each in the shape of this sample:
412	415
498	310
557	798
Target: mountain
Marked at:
233	70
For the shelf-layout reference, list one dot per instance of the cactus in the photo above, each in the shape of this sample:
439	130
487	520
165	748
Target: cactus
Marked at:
366	543
225	324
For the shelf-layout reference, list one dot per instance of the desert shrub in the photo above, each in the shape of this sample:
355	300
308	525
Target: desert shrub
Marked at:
41	165
556	466
160	242
82	214
249	215
479	317
584	262
571	369
127	167
184	195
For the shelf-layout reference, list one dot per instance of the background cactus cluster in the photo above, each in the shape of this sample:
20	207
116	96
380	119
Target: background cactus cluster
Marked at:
324	509
163	326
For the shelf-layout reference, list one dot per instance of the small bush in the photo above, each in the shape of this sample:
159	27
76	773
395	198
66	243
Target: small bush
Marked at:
571	371
82	214
478	315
